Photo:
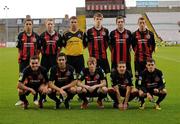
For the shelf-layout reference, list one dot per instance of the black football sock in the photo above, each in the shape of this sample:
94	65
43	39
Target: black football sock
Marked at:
83	97
160	99
35	97
141	98
53	97
42	96
70	96
23	98
112	94
101	96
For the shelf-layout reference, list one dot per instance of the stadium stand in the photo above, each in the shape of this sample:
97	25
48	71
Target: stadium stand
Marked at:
16	25
166	25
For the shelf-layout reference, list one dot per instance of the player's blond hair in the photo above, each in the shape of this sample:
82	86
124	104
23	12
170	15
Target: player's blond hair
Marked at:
49	19
98	14
91	60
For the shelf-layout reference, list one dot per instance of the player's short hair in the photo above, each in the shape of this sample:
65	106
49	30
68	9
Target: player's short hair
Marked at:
141	18
34	57
49	19
91	60
28	18
122	62
62	55
66	16
73	18
120	17
98	14
151	60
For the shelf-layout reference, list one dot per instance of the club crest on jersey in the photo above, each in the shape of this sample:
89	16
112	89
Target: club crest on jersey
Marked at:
79	35
97	76
103	33
68	73
23	39
87	78
40	76
157	79
56	38
34	40
126	36
148	36
126	81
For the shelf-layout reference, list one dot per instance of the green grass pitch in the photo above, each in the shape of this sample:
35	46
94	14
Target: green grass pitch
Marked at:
167	59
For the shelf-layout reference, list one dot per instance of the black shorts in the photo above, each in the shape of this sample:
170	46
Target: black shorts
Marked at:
139	67
93	94
23	64
150	91
104	64
77	62
54	92
47	61
128	66
34	87
122	92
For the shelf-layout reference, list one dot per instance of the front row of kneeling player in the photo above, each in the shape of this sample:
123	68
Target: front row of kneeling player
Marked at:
63	84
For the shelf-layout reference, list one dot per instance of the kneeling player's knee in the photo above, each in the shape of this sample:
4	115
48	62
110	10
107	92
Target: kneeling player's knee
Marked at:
111	90
43	90
134	90
73	90
141	93
104	89
20	92
164	91
49	91
84	90
79	90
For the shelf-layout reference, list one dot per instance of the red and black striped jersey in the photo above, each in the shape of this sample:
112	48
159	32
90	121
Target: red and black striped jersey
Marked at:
120	44
143	44
98	42
28	46
50	44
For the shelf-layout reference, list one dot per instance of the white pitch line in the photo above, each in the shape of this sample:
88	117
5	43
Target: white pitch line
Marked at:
167	58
